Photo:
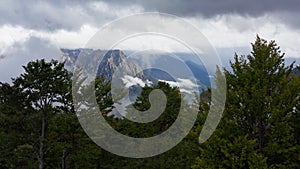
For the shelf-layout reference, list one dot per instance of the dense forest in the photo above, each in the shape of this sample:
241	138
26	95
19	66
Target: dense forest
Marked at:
259	128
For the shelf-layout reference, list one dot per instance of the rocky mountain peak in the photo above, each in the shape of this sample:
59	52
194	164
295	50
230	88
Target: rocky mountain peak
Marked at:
115	57
112	60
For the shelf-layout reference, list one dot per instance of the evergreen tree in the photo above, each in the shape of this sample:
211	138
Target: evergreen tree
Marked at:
256	129
28	106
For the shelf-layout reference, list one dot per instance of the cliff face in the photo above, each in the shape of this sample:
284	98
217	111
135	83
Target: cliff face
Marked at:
116	59
112	61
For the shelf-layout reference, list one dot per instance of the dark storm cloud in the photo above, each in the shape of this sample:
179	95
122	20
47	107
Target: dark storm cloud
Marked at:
211	7
49	15
67	14
285	11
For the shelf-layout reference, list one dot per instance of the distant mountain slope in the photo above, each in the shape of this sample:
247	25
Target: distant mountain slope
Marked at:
199	72
155	74
296	71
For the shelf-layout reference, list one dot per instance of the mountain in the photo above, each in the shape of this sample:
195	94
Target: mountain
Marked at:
112	60
180	65
296	71
199	72
70	57
115	59
133	77
133	74
154	75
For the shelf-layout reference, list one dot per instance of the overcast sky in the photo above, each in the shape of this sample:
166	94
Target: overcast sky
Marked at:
37	29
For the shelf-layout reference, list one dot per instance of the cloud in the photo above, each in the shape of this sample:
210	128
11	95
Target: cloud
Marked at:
184	85
212	8
225	23
235	32
130	81
223	31
62	38
41	15
20	53
55	15
71	15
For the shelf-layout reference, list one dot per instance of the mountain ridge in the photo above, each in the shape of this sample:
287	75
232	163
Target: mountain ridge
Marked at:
116	59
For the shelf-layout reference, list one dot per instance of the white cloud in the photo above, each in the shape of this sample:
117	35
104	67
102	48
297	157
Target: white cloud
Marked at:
184	85
20	53
61	38
236	31
152	42
130	81
115	11
70	39
12	34
223	31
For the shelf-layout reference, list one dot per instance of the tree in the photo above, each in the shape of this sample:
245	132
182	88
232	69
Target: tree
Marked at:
142	103
256	129
13	133
38	126
181	156
37	94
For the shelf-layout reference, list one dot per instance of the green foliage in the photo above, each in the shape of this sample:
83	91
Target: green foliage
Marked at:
257	130
142	103
181	156
38	125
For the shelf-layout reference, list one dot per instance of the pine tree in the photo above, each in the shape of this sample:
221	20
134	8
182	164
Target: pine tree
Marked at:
35	96
256	129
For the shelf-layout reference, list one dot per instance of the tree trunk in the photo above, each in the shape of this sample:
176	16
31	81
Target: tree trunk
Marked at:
261	132
41	147
63	159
